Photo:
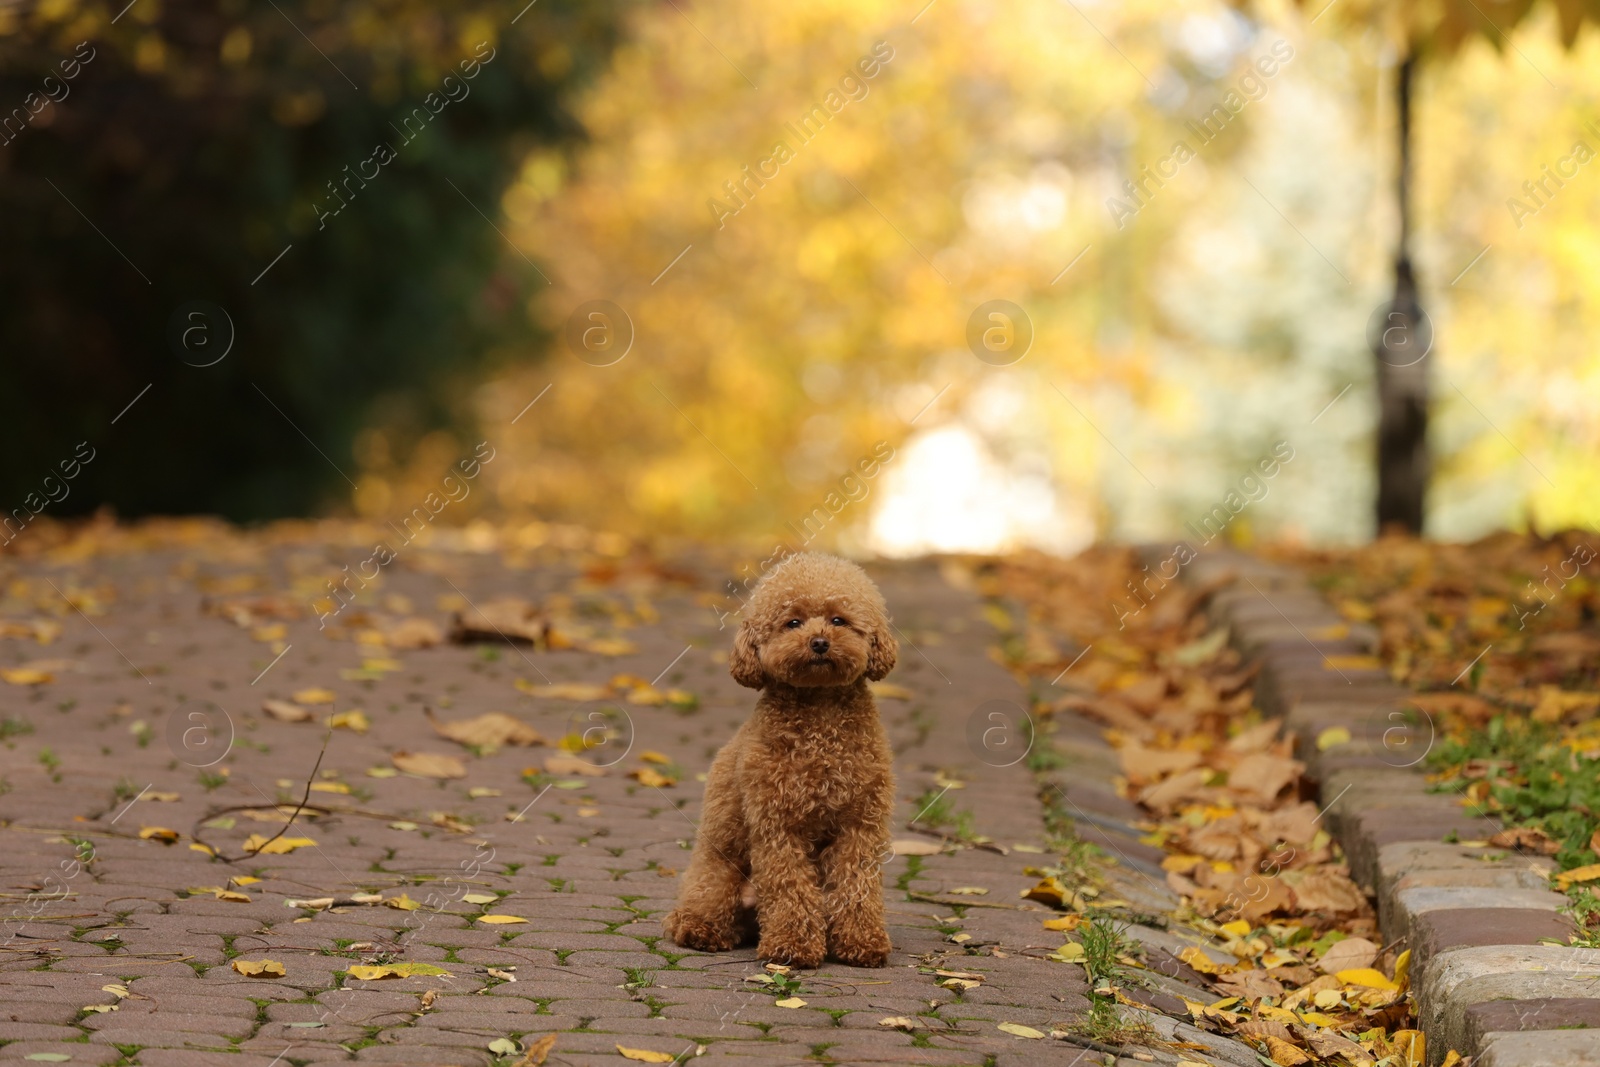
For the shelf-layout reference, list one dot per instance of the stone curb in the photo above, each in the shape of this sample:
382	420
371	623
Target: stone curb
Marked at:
1473	917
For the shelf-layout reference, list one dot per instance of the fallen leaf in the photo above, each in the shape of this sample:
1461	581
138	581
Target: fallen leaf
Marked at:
26	676
1367	977
535	1056
503	1046
262	845
650	756
376	971
1071	952
1567	879
644	1055
1018	1030
259	968
500	920
355	719
478	792
969	891
284	711
501	619
566	763
480	898
1352	953
1332	736
492	729
580	691
413	633
330	787
899	1022
403	902
100	1007
315	696
503	975
1065	922
429	764
651	777
916	846
1284	1054
158	833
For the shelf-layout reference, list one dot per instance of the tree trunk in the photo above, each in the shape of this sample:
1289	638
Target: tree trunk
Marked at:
1403	337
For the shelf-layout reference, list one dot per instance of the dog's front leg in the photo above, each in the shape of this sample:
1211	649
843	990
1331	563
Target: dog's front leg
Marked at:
788	900
852	872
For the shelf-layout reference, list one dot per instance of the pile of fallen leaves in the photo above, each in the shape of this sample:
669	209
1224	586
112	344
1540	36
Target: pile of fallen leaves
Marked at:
1500	642
1293	954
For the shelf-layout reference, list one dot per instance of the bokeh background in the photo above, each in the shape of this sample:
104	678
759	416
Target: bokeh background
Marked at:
219	286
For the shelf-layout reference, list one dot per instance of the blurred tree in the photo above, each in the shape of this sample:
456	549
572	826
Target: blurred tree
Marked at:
1402	334
323	171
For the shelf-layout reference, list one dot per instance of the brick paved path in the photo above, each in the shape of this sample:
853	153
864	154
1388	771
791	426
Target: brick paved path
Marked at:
591	867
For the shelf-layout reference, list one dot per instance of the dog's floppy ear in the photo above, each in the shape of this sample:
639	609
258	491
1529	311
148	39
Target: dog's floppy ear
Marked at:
881	659
744	662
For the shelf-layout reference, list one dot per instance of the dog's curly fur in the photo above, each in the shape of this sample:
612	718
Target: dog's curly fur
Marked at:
798	805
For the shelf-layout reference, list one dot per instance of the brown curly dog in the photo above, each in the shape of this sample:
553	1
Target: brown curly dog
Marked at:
798	805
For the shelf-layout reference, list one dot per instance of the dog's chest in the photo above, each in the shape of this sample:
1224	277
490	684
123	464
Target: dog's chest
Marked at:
819	777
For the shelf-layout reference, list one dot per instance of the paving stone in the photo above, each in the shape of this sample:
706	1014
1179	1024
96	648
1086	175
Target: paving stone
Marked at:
1441	931
1462	977
1535	1013
1545	1048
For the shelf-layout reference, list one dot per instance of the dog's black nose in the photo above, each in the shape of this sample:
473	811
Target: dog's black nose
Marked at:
819	645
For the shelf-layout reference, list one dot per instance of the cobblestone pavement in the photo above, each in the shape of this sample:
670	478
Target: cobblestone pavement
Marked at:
123	936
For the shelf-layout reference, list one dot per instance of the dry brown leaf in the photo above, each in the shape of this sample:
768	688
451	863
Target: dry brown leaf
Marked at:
414	632
1529	838
567	763
429	764
506	618
1285	1054
1263	776
1326	890
284	711
537	1051
490	730
1350	954
1142	765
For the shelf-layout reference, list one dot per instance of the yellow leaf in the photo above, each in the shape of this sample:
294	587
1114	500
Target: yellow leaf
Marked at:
284	711
916	847
429	764
262	845
1066	922
259	968
480	898
354	719
650	756
1018	1030
648	776
158	833
1402	969
1333	735
381	772
165	798
579	691
1567	879
1071	952
1411	1047
1199	961
373	972
1451	1059
198	847
609	646
403	902
1285	1054
478	792
116	989
329	787
1366	977
1352	663
26	676
644	1055
501	920
383	664
647	695
315	696
969	891
789	1002
1237	928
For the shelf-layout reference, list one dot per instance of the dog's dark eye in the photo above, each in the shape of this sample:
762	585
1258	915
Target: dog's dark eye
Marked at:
793	624
838	620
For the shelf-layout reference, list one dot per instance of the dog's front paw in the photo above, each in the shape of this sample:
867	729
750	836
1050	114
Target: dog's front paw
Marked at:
797	952
860	947
693	931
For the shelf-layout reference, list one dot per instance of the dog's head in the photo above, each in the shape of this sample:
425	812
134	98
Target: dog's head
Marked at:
814	620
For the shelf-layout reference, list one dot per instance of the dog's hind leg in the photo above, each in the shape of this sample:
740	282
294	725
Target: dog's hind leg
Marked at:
712	914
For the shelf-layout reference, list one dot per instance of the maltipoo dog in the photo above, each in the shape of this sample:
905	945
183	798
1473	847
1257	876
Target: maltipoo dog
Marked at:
798	805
